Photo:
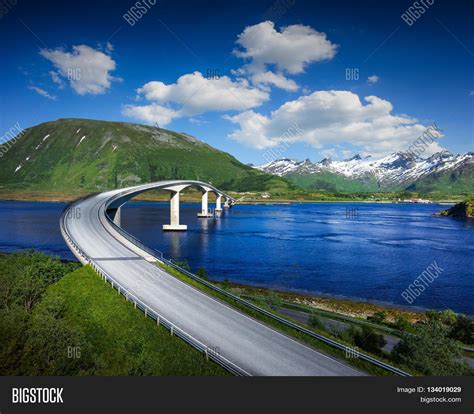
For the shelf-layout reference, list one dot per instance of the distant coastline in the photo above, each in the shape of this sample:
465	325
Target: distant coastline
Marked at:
57	196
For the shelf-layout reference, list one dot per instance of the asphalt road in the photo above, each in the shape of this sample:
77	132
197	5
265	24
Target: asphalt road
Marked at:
251	345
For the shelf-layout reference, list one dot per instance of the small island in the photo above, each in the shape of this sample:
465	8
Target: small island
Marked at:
465	210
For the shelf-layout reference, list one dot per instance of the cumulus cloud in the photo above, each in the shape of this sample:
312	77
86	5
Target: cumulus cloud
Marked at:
289	50
331	118
151	114
193	94
42	92
263	79
87	69
373	79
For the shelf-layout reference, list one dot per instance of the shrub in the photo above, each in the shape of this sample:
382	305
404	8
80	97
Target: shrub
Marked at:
430	351
366	338
183	264
315	322
463	330
402	324
273	299
458	326
377	317
202	273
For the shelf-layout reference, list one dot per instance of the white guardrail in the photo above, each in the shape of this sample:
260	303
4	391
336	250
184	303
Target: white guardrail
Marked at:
188	338
209	352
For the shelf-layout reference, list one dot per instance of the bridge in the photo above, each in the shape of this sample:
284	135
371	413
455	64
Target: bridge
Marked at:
174	188
244	345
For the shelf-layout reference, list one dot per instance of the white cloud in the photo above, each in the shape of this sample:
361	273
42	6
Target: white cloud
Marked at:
253	130
56	78
42	92
87	69
290	50
262	79
471	93
198	121
194	94
332	118
151	114
373	79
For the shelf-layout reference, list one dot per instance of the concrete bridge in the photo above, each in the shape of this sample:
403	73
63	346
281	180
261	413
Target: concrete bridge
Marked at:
246	345
175	189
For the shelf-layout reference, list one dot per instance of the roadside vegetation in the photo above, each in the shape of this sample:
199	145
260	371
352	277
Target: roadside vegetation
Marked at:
431	345
59	318
329	350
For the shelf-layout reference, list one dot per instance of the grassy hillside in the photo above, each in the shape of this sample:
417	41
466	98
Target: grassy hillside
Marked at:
54	322
459	181
332	182
80	154
436	185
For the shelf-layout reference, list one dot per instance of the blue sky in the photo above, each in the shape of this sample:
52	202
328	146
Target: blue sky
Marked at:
288	72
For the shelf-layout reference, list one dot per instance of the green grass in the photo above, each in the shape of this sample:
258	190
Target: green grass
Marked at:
362	365
122	340
118	154
333	182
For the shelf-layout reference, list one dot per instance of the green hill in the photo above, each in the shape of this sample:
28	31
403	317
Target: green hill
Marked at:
457	181
333	182
55	320
81	154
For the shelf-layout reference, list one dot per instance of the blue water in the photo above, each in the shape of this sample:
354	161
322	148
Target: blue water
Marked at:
367	251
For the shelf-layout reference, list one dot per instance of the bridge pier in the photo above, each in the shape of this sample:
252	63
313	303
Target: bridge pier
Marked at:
116	215
204	205
174	210
226	203
218	202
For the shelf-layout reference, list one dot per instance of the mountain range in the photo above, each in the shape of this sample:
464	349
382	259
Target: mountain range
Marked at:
441	172
71	155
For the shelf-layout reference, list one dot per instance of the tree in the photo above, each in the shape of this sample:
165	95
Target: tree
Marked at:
366	338
53	346
463	330
446	317
459	327
402	324
429	350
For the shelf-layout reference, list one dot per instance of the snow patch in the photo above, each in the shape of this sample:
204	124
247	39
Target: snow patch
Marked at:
78	130
394	168
46	137
114	147
81	140
17	168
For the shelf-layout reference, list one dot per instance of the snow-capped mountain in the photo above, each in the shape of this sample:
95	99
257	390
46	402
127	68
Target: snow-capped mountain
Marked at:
393	170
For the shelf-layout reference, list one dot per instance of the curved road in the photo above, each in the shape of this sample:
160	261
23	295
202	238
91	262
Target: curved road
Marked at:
254	347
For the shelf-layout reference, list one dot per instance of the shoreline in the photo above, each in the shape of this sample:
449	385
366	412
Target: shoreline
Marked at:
338	304
341	305
57	197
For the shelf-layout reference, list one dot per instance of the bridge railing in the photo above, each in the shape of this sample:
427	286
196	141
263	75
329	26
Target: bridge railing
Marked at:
129	296
159	256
